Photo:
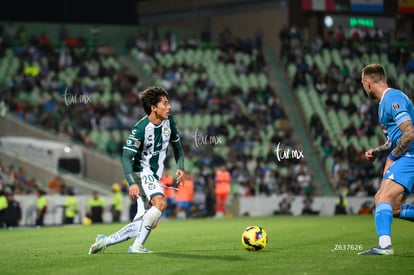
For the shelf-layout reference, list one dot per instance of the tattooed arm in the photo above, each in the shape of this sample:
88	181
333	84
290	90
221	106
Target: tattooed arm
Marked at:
405	141
383	147
372	154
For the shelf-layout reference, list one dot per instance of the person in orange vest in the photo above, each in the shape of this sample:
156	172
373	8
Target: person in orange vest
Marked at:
169	191
184	198
222	189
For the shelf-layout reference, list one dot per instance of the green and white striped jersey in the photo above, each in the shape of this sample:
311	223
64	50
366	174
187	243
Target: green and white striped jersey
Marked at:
150	143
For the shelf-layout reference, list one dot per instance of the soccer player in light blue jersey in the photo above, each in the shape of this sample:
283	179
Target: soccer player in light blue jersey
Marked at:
143	159
396	115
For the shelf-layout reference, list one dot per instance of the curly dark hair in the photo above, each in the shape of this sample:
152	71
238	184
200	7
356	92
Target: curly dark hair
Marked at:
151	96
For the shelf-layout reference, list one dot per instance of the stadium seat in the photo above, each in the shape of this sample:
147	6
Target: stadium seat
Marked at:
326	57
401	80
291	70
375	58
336	58
309	60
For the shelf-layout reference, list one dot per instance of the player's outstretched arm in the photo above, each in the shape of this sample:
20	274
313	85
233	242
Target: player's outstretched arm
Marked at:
371	154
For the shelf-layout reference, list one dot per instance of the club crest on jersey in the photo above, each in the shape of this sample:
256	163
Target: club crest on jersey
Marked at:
395	106
166	132
151	186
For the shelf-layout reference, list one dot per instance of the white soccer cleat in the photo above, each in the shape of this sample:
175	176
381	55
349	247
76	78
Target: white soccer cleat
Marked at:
139	250
377	250
99	245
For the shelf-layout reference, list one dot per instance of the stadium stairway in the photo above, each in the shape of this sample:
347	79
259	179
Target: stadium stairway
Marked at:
294	114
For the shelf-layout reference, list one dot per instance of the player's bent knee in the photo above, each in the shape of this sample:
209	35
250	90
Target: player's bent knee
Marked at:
384	196
159	202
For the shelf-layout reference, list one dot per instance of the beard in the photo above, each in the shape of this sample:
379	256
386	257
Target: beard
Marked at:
371	95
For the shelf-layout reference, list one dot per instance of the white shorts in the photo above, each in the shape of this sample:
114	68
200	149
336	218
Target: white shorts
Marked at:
150	186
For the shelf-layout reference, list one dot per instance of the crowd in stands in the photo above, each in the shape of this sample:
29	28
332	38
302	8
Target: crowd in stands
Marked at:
202	94
78	89
350	175
15	177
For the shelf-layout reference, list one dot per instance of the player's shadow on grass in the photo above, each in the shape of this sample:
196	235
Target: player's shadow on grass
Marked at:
200	256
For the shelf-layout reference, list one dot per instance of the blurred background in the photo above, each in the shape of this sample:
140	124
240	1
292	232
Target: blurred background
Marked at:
266	95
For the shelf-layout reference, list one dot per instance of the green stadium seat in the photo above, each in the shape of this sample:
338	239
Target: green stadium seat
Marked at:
401	80
375	58
309	60
291	70
326	57
336	58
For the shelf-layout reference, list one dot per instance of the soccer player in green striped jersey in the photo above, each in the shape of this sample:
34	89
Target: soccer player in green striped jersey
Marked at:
143	158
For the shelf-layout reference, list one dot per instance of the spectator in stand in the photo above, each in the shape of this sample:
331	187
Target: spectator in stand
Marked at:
56	184
299	80
350	131
63	33
44	42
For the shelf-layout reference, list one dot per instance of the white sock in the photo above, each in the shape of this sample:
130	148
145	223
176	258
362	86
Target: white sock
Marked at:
140	209
384	241
149	218
127	232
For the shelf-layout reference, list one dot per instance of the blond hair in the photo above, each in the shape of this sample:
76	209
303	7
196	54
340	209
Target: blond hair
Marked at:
375	72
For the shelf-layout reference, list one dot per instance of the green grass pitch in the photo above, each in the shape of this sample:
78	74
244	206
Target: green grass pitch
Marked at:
297	245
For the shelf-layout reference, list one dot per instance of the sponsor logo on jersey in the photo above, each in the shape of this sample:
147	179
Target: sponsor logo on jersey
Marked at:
395	106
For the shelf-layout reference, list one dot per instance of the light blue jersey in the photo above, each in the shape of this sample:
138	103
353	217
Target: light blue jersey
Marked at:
395	108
